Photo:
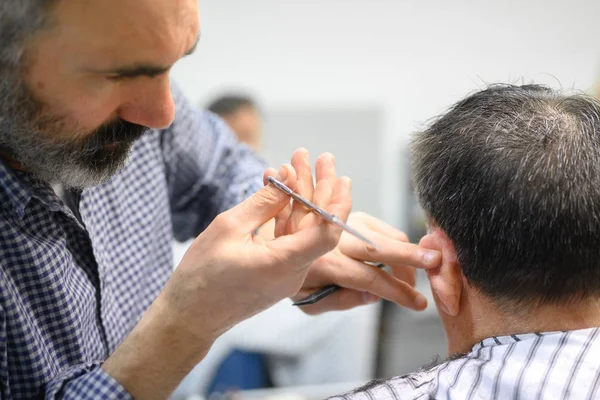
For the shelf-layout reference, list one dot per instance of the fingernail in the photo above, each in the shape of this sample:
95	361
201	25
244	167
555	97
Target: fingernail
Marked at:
420	302
282	174
370	298
431	257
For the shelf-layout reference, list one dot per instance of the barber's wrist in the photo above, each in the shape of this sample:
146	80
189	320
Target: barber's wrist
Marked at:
188	314
174	328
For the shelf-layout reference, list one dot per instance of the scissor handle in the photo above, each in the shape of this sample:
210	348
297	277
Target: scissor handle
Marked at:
325	291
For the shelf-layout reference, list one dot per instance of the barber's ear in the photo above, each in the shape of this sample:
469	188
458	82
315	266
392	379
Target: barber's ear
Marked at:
447	280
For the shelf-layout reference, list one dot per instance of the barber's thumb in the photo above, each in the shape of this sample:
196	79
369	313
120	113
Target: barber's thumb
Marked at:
268	201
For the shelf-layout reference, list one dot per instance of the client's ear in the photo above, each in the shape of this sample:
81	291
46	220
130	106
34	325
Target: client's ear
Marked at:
447	280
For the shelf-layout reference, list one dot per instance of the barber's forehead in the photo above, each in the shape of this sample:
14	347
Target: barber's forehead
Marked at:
127	29
126	20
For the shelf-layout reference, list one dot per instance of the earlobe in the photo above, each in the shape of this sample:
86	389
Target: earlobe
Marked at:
447	280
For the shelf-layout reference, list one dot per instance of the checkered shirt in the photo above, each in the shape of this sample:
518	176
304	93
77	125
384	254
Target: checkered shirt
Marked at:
536	366
74	284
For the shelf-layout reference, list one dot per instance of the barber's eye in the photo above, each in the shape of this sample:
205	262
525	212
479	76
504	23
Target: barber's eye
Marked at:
115	78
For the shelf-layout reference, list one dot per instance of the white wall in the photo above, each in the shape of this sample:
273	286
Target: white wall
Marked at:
411	57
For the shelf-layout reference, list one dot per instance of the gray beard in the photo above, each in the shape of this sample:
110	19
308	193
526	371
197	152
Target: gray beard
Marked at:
30	138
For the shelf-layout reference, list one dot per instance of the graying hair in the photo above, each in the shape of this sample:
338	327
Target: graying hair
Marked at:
19	19
512	175
27	134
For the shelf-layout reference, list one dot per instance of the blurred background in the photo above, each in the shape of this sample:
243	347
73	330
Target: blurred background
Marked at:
356	78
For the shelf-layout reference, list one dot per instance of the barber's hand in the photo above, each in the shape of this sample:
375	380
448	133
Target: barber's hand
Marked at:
366	284
345	265
228	274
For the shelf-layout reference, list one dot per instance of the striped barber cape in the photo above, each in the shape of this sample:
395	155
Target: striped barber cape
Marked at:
536	366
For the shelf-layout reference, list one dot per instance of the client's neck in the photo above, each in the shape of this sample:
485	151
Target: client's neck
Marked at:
480	318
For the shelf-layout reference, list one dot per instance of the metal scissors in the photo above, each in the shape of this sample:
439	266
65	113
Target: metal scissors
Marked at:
327	290
320	212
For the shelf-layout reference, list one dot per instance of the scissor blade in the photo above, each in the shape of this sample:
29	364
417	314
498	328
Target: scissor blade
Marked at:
317	296
326	291
352	231
320	212
308	204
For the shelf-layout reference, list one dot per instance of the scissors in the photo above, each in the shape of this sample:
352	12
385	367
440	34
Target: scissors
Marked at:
320	212
327	290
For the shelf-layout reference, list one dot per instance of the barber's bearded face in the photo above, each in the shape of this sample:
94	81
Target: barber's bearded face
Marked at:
54	149
83	95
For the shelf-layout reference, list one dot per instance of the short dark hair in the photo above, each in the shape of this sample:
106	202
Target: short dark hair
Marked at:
230	104
512	175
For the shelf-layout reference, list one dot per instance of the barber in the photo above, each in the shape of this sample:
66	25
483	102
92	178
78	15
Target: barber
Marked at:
102	163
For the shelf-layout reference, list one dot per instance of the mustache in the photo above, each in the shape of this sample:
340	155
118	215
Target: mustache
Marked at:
117	131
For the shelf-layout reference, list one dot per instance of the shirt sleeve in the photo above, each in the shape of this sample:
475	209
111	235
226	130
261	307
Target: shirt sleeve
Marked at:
78	382
86	382
208	171
4	390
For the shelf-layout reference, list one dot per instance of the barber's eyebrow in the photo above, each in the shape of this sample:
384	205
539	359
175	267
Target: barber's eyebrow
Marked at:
145	69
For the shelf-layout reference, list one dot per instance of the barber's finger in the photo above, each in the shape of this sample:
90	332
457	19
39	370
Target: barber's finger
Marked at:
262	205
290	180
379	226
314	240
341	199
304	187
304	178
282	217
352	274
326	179
343	299
390	252
405	273
384	285
302	248
269	172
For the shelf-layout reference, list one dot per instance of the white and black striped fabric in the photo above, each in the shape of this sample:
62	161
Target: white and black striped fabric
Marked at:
536	366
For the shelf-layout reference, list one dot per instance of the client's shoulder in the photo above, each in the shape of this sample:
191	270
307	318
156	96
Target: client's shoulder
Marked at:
421	384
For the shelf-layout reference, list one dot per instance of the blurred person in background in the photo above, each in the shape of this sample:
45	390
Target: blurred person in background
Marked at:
509	180
242	115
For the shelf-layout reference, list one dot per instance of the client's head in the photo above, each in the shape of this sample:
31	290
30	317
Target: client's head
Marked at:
510	181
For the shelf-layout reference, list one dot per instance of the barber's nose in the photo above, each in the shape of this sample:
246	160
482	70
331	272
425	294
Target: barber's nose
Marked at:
150	104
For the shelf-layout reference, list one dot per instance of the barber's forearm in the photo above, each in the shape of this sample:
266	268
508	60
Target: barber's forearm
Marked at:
157	355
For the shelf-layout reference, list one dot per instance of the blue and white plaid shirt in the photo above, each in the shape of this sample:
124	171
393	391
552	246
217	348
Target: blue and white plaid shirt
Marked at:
73	286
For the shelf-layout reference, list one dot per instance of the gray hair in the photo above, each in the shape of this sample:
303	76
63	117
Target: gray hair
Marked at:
19	19
512	175
38	140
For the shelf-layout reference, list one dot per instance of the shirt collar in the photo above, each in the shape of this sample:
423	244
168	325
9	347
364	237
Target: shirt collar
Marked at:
504	340
17	188
14	193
